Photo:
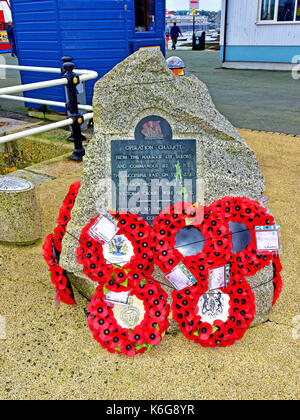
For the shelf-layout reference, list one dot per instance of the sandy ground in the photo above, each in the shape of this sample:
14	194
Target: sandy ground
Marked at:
51	355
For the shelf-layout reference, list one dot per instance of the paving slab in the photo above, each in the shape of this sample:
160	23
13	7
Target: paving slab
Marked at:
56	167
35	179
9	124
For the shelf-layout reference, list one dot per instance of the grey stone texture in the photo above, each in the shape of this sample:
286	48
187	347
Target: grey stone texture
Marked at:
262	287
20	221
35	179
140	86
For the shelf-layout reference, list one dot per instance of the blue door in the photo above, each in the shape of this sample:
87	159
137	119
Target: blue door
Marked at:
148	25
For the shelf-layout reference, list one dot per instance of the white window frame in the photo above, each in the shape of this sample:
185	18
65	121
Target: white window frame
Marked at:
275	21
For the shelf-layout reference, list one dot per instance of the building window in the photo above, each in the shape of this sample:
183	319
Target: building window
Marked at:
286	10
280	10
267	9
144	15
298	11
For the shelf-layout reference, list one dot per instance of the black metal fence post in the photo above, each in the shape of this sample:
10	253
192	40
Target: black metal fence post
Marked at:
73	111
65	59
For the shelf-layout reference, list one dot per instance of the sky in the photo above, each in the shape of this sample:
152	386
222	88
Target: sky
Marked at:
212	5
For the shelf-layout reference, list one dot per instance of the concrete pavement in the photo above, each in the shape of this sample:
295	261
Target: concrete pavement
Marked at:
258	100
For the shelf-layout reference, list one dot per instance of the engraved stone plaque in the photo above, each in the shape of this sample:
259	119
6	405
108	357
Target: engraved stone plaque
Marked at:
153	171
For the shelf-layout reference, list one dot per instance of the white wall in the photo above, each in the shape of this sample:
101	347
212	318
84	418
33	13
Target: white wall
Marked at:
243	30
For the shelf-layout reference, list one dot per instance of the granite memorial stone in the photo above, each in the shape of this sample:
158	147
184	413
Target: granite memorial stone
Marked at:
153	126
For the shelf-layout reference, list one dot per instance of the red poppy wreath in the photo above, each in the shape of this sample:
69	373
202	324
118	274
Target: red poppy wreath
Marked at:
240	216
53	246
125	259
132	328
215	318
277	280
188	233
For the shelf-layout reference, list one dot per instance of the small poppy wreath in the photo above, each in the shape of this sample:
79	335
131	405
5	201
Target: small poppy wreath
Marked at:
247	262
169	223
277	280
140	338
53	246
59	277
65	215
209	329
133	232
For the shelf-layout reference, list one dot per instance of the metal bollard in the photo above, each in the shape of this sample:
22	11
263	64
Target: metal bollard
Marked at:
69	59
65	59
72	110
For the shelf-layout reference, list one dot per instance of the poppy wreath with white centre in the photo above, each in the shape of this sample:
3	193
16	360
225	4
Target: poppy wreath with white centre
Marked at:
137	234
250	213
209	329
167	255
53	246
140	338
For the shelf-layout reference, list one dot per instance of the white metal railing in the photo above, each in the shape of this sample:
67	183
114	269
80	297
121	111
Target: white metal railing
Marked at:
42	129
43	102
5	93
84	76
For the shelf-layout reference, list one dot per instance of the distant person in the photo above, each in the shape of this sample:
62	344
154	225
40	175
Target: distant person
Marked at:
288	15
11	38
167	38
175	32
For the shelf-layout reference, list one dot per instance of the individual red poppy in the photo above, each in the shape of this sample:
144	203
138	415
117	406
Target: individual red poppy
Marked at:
135	277
102	274
115	341
137	336
277	280
105	333
63	286
205	331
219	325
56	275
58	236
157	315
241	321
152	337
150	291
99	324
99	309
167	259
128	348
49	254
157	303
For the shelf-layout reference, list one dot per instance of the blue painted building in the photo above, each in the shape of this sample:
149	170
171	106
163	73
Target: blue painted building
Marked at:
260	34
98	34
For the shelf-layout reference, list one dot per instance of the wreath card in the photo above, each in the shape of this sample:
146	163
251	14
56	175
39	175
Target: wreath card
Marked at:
104	229
181	277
